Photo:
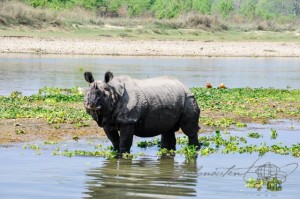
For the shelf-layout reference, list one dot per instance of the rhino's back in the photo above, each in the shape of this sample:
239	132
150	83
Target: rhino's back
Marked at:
163	91
165	97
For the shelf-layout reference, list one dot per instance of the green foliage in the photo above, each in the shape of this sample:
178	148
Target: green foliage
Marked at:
202	6
166	153
138	7
113	6
248	8
62	4
226	7
211	144
167	9
54	104
254	135
161	9
274	134
235	106
20	131
145	144
273	184
190	152
220	107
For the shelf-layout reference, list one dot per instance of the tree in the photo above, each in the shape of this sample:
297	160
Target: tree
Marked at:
296	8
226	7
203	6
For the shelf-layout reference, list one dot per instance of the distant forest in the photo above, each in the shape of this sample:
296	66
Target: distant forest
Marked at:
168	9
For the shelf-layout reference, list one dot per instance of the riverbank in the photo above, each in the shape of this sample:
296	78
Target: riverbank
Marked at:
128	47
58	114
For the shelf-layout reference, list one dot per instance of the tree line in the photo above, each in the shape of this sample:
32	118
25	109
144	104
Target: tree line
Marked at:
167	9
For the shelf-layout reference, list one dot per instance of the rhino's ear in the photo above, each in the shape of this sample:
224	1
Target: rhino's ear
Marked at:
88	76
108	76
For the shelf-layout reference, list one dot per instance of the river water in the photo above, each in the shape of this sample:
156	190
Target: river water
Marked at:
29	174
28	73
35	174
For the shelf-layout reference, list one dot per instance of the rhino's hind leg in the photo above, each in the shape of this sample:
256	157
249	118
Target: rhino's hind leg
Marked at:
189	121
168	140
191	130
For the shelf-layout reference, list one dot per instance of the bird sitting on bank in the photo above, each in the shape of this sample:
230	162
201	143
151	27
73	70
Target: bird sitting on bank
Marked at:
208	85
222	86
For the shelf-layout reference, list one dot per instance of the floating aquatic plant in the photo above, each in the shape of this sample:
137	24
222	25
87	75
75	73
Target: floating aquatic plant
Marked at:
145	144
254	135
273	184
273	134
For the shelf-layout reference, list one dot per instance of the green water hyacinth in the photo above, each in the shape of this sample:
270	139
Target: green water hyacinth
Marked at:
145	144
59	105
273	134
272	184
254	135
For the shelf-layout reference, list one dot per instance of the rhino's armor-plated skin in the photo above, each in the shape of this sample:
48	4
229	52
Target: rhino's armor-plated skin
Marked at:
144	108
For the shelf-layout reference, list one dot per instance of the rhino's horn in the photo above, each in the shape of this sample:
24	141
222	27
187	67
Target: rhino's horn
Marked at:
88	76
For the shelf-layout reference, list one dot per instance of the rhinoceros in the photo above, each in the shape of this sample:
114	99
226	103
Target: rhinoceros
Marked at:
125	107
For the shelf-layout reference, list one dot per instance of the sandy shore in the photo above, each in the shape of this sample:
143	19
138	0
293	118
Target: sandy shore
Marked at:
147	48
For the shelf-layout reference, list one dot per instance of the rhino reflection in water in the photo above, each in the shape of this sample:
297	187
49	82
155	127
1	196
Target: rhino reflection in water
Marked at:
145	178
144	108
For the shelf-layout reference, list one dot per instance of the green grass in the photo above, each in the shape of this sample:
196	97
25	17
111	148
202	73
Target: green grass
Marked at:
220	107
83	19
55	105
225	107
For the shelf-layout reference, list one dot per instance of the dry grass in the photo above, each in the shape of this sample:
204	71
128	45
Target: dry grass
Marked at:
14	13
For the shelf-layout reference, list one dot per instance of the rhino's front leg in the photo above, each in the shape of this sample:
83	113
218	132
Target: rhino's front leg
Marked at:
113	135
126	137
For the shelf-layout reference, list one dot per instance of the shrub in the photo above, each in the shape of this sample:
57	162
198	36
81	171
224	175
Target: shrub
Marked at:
226	7
202	6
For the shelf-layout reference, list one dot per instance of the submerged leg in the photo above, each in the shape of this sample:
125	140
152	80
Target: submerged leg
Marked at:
168	140
126	137
189	121
113	135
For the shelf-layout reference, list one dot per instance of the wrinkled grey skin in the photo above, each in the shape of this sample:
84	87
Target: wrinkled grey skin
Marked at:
124	107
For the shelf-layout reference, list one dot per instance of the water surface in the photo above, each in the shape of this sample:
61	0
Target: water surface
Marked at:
28	73
38	174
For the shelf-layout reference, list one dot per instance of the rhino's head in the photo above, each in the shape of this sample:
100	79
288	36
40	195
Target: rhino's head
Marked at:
101	97
96	98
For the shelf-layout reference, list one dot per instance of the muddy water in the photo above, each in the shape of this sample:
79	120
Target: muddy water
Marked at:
37	174
28	73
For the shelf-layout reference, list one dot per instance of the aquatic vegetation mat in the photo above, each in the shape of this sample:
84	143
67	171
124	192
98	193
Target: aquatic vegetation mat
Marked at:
220	107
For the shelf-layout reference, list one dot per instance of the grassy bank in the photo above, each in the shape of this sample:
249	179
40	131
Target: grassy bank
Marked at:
220	107
78	21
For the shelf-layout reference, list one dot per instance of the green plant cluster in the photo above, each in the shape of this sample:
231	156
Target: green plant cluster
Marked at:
273	184
225	107
254	135
56	105
211	144
232	144
266	9
220	107
145	144
235	144
109	154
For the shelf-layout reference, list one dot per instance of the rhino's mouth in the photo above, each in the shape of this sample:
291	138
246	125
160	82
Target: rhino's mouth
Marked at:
98	108
97	115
